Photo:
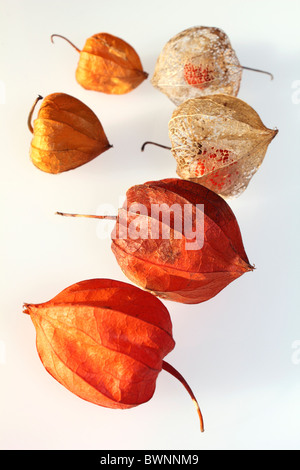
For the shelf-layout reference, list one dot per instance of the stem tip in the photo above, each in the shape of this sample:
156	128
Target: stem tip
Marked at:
167	367
63	37
154	143
260	71
90	216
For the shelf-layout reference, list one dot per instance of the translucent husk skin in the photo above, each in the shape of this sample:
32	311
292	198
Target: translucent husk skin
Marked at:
218	141
177	66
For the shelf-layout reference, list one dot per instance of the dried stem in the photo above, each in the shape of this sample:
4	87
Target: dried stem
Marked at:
30	127
258	70
154	143
66	39
109	217
167	367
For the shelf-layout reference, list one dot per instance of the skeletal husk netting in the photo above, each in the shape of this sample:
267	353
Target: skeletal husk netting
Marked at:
186	55
218	141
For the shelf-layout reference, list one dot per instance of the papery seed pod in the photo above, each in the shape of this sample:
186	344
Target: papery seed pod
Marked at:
178	240
108	64
218	141
66	134
198	61
105	340
190	268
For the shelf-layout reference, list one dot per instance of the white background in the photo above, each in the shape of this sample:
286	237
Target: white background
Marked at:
238	351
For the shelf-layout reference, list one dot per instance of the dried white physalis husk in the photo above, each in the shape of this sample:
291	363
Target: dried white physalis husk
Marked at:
218	141
196	62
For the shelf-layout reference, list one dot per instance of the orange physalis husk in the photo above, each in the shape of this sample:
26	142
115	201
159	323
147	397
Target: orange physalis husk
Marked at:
105	340
218	141
198	61
108	64
168	265
66	134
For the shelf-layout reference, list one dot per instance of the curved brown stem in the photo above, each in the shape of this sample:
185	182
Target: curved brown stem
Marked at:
154	143
167	367
66	39
258	70
108	217
30	127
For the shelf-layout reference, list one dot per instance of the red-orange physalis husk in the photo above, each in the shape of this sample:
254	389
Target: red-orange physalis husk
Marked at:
105	340
166	267
66	134
108	64
196	62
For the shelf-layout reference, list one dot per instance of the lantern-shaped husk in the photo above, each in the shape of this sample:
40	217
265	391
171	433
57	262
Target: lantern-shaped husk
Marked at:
108	64
218	141
66	134
178	240
104	340
198	61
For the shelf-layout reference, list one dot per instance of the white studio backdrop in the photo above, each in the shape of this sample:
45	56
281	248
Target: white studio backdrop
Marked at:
240	350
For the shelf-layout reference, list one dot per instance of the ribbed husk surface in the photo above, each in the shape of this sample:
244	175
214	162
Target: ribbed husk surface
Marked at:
104	340
164	265
66	134
218	141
